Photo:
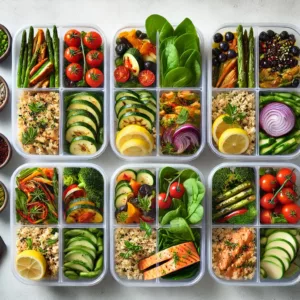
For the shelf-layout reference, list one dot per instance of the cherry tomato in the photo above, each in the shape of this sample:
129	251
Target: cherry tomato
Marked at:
73	54
92	40
121	74
146	78
278	209
74	72
268	183
94	58
267	202
291	212
265	216
177	190
163	202
287	196
284	174
72	38
94	77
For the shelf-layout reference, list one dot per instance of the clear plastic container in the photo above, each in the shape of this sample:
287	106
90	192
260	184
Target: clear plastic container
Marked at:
61	225
256	281
212	92
16	92
159	282
156	155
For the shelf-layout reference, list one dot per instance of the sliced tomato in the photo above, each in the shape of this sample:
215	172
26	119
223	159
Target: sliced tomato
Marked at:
73	192
121	74
146	78
147	219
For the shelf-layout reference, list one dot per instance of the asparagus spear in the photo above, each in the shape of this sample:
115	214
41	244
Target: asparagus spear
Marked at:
30	45
30	65
21	57
251	80
234	199
56	55
246	54
241	58
233	207
24	67
51	56
234	191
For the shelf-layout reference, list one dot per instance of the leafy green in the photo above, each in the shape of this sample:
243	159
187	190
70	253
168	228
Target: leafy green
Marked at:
166	173
186	26
154	24
170	215
166	31
146	227
29	243
131	249
21	202
171	57
180	227
233	115
168	41
179	77
37	107
187	41
246	218
29	135
183	116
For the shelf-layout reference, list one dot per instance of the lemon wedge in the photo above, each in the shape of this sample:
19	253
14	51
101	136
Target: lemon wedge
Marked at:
219	126
135	147
31	264
234	141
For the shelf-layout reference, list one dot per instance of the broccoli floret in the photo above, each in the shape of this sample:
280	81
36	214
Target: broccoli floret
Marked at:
92	181
221	180
71	176
243	174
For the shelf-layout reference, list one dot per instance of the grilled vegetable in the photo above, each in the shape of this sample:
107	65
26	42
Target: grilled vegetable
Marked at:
241	58
251	63
56	55
246	54
42	73
24	67
21	58
51	55
30	45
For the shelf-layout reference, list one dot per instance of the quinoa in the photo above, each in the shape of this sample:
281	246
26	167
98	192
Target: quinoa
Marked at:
38	113
129	267
44	240
233	253
245	103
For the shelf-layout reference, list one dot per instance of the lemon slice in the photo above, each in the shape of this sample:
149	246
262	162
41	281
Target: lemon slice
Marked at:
31	265
135	147
219	126
134	132
234	141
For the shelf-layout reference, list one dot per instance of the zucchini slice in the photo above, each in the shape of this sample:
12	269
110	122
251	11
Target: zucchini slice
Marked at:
89	98
137	108
81	241
80	115
123	190
81	232
83	145
83	214
127	93
126	175
80	201
145	177
121	200
77	266
133	61
133	118
80	255
122	183
124	101
80	129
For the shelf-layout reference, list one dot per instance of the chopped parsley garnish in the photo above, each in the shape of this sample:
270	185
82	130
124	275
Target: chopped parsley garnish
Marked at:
233	115
230	244
37	107
176	258
29	243
28	136
131	249
51	241
146	227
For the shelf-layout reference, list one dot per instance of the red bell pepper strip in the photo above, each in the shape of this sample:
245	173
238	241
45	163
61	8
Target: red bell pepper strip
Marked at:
233	214
41	212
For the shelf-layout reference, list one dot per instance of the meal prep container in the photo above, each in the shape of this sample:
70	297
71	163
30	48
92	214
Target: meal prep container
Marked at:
16	92
256	281
156	154
61	225
159	282
212	92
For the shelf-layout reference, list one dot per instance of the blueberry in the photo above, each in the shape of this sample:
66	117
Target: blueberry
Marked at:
121	49
295	82
216	51
215	61
284	35
263	36
222	57
218	37
229	36
231	53
295	50
270	33
224	46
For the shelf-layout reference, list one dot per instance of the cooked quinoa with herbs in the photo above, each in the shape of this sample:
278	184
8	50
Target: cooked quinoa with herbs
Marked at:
233	253
44	240
245	103
38	121
131	245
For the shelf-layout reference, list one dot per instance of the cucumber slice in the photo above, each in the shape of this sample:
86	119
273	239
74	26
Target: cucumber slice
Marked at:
83	145
89	250
122	183
81	232
287	246
75	116
126	175
89	98
149	100
80	255
266	142
284	261
124	101
121	200
263	273
81	241
144	94
150	105
77	266
278	235
123	190
80	129
145	177
127	93
132	118
137	108
273	270
133	61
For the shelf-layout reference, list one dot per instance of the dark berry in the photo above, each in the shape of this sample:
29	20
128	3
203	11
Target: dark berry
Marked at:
295	50
270	33
295	82
216	51
292	38
218	37
215	61
222	57
145	190
229	36
231	53
263	36
224	46
265	63
294	63
284	35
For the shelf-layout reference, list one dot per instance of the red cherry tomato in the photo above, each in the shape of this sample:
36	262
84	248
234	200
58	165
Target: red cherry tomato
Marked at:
146	78
284	174
267	202
177	190
266	216
94	77
291	212
278	209
164	202
94	58
287	196
92	40
268	183
74	72
121	74
73	54
72	38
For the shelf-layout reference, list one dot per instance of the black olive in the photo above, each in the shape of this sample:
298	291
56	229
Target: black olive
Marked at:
138	33
149	65
292	38
123	40
224	46
295	82
265	64
263	36
231	53
270	33
218	37
143	36
145	190
284	35
216	51
295	50
222	57
121	49
294	63
229	36
215	61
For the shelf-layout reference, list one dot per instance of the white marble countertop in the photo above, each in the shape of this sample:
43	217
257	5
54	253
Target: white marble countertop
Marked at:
110	16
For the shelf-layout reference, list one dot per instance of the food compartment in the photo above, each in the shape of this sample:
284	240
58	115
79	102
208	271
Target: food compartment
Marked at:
136	259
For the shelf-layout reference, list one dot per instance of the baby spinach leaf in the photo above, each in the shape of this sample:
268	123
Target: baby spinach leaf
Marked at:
172	57
197	72
166	172
154	23
180	227
186	26
170	215
187	41
188	173
166	31
197	215
166	42
179	77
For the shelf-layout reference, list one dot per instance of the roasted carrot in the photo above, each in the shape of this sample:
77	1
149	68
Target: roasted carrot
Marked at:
43	180
230	80
46	83
43	52
40	39
37	66
227	68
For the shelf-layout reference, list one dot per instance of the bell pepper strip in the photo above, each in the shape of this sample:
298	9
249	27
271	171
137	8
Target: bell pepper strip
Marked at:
233	214
50	197
40	211
22	214
31	176
133	214
43	180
